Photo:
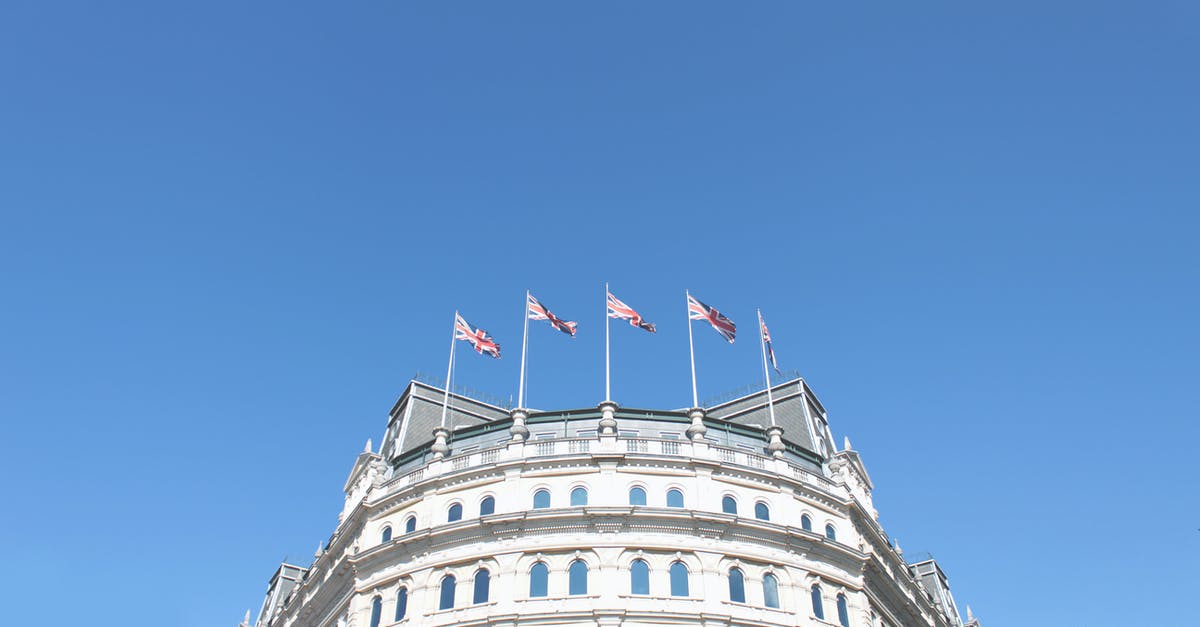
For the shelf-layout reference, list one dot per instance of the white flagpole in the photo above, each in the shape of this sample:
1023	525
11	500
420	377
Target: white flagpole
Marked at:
691	349
762	344
449	369
524	346
607	378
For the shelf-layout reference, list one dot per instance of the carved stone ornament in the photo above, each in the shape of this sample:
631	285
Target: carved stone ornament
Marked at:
608	419
696	430
519	431
440	447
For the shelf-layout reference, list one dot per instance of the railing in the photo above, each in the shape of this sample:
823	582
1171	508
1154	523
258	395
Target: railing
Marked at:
586	446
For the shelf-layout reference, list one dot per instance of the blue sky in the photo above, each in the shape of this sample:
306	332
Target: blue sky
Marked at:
231	232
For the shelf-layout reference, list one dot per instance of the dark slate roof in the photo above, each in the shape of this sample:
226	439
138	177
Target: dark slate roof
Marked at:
789	401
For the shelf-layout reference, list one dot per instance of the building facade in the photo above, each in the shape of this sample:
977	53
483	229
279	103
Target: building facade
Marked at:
609	516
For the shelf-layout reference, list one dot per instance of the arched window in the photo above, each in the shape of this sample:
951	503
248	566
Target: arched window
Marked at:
843	611
637	496
830	532
737	585
577	577
401	603
770	590
410	524
761	511
386	536
674	498
376	610
729	505
454	513
483	581
639	577
578	497
447	596
541	499
679	580
487	506
817	603
806	522
539	580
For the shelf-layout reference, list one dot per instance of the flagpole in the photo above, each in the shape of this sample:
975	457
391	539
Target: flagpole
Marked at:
524	346
691	348
762	344
607	378
449	369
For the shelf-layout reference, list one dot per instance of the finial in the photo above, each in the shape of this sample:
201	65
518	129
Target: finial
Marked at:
970	614
367	448
246	620
846	443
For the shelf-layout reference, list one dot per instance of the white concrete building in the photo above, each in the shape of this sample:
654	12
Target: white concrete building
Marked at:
609	516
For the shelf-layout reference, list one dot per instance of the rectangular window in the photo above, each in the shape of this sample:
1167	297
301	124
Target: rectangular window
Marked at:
629	433
668	435
544	436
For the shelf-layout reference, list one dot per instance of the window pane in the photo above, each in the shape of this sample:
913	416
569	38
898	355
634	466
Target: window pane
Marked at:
376	610
679	580
410	525
674	498
483	581
487	506
578	497
541	499
729	505
637	496
843	611
387	534
817	603
806	522
455	513
770	591
639	577
830	532
577	576
447	597
401	603
761	511
737	586
539	579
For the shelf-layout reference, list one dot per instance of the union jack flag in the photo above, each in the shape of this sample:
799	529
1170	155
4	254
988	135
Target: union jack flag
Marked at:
699	311
766	336
618	309
538	311
483	343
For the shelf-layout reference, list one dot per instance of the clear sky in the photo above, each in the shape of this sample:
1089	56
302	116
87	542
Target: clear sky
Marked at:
231	232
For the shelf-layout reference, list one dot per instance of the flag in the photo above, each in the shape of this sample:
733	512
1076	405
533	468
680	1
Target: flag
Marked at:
618	309
538	311
483	343
766	337
699	311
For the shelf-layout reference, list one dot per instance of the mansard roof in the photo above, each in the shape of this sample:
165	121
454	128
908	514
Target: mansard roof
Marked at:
419	409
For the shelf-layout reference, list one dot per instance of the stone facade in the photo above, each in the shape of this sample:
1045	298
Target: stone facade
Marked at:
610	516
